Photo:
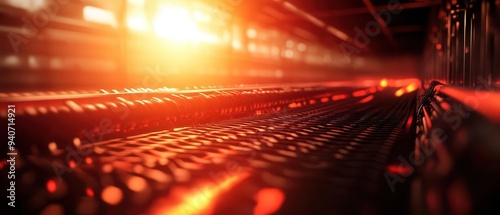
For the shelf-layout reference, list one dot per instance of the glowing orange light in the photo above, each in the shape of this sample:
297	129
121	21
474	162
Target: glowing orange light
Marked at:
176	24
268	200
136	18
383	83
367	99
99	15
112	195
251	33
410	88
52	146
372	90
51	186
236	44
324	100
339	97
200	201
137	22
399	93
200	16
136	184
88	160
359	93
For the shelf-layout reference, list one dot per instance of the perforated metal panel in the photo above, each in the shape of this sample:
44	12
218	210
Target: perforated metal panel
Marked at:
324	149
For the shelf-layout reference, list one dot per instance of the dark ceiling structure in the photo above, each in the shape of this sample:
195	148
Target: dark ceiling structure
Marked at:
387	26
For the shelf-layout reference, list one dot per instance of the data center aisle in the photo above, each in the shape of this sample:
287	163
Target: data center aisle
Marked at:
326	156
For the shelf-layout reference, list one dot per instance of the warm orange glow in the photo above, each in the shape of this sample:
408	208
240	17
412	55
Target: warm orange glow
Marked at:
409	122
176	24
51	186
112	195
136	18
98	15
367	99
137	22
251	33
236	44
88	160
339	97
199	201
485	102
410	88
136	3
383	83
399	93
268	200
359	93
52	146
202	17
136	184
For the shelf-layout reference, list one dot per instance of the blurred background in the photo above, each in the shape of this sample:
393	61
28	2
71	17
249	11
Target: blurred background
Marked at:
71	67
87	44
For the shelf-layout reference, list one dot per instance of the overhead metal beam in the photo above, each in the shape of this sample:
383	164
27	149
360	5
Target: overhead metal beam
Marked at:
336	32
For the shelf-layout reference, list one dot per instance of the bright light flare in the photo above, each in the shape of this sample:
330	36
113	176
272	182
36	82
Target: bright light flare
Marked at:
399	92
383	83
410	88
269	200
137	22
99	15
176	24
200	16
112	195
197	201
